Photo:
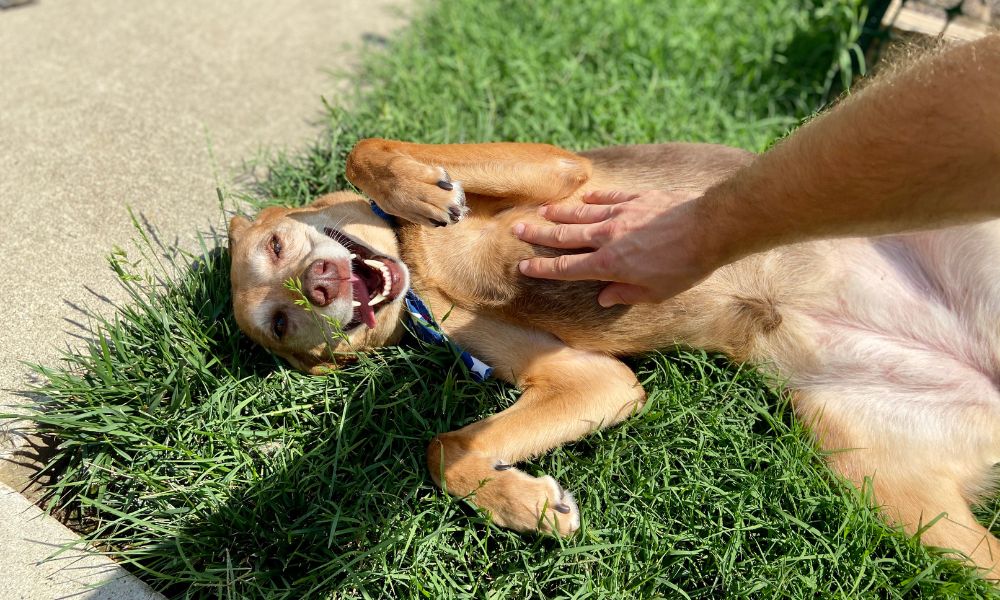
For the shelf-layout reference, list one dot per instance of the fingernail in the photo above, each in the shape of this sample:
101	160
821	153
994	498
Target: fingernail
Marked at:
542	209
522	266
518	229
606	303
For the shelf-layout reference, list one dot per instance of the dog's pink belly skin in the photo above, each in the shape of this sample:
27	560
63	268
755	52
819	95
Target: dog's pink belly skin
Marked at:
908	343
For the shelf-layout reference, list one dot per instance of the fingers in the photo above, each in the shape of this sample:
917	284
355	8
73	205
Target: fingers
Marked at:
608	197
568	267
576	213
597	207
623	293
557	236
585	266
577	226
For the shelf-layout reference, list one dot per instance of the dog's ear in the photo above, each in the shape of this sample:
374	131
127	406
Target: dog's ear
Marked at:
335	198
236	226
324	368
307	363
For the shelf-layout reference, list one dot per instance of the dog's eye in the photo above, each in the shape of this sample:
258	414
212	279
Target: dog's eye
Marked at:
279	324
276	246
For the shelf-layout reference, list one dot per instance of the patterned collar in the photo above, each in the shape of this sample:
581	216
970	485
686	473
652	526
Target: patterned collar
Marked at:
423	325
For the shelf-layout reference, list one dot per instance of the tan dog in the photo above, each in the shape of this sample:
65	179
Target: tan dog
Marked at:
890	346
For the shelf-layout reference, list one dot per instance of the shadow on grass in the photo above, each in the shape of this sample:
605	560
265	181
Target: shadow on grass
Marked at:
819	62
304	529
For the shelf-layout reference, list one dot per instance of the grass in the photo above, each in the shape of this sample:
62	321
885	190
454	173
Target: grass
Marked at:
212	470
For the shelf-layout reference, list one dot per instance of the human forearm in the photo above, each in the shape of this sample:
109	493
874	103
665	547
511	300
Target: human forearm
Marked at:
916	150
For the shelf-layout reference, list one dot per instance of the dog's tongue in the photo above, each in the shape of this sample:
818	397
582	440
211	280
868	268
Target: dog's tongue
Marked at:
361	295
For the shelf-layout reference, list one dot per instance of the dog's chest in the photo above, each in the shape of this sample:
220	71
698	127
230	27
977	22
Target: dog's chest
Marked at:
474	267
474	263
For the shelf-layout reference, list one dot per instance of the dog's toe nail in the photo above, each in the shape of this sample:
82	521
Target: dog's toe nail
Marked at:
456	213
502	466
445	185
562	508
438	223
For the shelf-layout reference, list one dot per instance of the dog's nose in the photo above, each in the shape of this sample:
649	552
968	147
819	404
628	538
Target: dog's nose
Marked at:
321	282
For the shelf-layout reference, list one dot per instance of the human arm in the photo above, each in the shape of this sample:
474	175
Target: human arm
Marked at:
917	149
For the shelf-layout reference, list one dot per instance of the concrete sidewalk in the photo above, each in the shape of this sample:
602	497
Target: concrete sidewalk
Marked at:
29	538
112	103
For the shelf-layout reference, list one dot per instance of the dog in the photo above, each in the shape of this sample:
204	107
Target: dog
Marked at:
889	347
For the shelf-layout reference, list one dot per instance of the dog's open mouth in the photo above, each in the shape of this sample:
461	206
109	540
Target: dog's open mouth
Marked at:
377	280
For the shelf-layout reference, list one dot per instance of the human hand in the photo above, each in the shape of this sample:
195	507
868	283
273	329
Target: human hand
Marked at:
649	245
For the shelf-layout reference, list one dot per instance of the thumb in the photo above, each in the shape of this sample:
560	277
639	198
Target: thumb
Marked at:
622	293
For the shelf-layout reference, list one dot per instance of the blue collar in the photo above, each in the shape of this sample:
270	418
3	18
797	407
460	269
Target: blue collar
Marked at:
423	325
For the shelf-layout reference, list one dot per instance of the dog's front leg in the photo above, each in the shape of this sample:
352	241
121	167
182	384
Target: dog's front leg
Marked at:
567	394
432	184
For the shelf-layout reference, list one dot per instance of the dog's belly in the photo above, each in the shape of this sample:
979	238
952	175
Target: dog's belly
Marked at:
925	294
908	340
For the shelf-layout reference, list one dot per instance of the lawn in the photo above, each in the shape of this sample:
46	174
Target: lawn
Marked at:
210	469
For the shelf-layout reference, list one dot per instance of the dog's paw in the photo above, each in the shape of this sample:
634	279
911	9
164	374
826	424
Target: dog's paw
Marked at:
525	503
422	194
450	203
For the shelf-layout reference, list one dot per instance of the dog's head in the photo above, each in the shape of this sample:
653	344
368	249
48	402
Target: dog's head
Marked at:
318	284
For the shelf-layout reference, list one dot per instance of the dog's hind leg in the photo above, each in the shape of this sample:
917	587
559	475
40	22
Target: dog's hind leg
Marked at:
925	470
566	394
935	508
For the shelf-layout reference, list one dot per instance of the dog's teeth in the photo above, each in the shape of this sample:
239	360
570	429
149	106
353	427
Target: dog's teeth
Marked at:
355	303
353	256
386	279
